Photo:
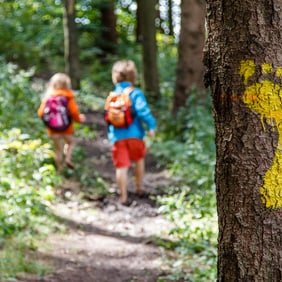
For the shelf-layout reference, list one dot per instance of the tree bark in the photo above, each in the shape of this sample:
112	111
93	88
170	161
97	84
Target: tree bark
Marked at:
170	18
139	36
71	44
190	67
109	32
243	58
149	44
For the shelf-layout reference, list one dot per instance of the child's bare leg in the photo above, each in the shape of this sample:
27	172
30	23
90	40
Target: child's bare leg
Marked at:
121	178
58	149
139	171
68	149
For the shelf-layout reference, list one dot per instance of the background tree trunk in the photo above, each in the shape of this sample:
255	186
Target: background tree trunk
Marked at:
71	44
170	18
190	68
244	56
139	21
150	69
109	32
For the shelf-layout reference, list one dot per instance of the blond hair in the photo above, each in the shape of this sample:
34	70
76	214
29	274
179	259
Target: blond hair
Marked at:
59	81
124	70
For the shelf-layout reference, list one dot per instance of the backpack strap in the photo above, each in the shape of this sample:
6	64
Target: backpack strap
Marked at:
126	92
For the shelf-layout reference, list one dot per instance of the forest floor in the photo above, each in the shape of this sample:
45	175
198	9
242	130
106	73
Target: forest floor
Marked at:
104	241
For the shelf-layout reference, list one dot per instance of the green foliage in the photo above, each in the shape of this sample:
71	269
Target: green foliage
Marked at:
189	138
126	19
19	100
167	60
102	79
32	33
26	182
14	259
27	173
186	146
25	33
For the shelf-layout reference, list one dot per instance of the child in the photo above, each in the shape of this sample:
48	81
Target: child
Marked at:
60	85
128	144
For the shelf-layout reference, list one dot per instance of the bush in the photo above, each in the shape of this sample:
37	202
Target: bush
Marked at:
19	100
27	173
186	147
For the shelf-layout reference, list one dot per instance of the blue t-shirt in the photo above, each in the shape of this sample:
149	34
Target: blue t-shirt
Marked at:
142	115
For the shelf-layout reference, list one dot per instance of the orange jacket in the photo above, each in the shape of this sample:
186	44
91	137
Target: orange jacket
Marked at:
72	106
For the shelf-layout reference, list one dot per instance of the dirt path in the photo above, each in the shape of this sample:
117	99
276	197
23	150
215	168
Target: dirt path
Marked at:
105	241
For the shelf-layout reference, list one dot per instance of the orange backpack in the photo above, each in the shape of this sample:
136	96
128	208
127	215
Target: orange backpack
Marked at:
118	108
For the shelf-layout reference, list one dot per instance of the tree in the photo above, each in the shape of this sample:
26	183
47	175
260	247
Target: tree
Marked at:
109	32
164	18
138	25
149	50
190	68
71	44
243	59
170	17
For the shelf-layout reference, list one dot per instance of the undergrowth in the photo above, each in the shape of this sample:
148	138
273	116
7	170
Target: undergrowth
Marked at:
185	144
27	174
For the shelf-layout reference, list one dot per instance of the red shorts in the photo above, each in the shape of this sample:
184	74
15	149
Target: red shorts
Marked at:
127	150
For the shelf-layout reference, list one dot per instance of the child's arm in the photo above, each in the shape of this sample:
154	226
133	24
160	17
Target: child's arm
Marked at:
82	118
143	111
40	110
74	111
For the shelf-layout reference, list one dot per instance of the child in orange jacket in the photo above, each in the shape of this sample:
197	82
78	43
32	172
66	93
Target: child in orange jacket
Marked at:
64	141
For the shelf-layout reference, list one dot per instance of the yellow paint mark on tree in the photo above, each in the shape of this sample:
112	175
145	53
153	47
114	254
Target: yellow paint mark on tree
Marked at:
265	98
247	69
266	68
279	72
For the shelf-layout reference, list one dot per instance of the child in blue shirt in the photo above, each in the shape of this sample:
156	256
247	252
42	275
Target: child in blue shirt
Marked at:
128	144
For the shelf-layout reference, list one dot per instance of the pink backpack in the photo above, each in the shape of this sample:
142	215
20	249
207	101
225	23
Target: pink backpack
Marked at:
56	115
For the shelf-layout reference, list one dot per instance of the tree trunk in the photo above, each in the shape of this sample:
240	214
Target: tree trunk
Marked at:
139	35
190	68
71	44
150	69
109	32
243	57
170	18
